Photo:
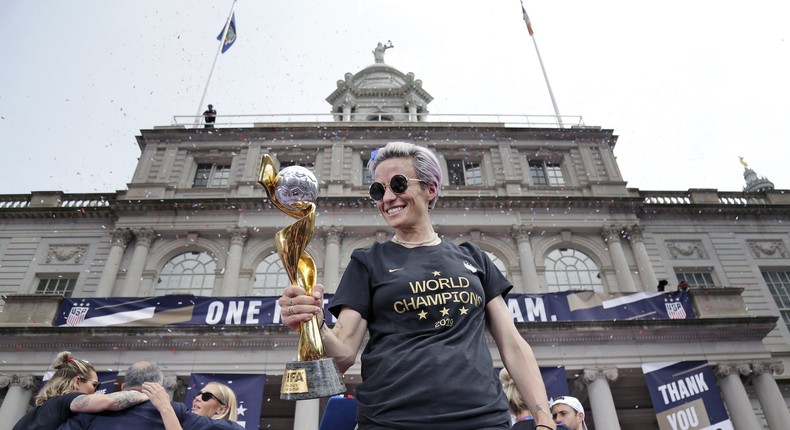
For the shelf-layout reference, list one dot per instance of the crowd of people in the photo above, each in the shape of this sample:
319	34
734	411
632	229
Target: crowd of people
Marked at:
68	401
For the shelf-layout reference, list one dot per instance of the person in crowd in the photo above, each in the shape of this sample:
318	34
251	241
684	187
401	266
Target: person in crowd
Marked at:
567	411
662	285
683	286
515	403
70	390
145	415
209	116
425	304
215	401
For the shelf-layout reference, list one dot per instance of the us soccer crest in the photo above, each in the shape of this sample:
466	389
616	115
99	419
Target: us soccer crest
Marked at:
675	310
77	315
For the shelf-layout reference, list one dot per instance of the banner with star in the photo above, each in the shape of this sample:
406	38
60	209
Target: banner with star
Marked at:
248	389
264	311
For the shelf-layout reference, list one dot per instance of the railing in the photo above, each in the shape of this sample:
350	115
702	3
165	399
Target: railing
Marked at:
688	198
82	201
231	121
55	200
14	201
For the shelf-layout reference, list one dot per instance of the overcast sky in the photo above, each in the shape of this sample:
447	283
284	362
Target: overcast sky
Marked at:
688	86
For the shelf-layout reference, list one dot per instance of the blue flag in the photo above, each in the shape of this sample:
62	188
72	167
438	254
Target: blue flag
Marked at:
231	36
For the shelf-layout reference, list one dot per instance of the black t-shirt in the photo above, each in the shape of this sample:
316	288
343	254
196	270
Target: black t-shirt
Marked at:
50	415
426	362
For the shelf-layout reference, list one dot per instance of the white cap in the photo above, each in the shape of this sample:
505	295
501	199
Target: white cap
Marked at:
573	402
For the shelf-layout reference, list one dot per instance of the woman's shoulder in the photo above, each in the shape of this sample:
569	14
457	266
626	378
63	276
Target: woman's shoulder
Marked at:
373	249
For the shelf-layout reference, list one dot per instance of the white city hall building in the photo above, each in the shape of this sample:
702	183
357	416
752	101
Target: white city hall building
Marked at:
543	196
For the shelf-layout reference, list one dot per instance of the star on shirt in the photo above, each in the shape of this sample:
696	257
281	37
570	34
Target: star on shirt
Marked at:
464	310
445	311
422	314
437	273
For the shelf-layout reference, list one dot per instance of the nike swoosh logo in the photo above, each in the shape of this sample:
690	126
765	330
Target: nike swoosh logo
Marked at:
395	270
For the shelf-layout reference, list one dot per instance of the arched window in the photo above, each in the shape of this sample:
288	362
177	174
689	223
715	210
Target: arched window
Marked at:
270	277
570	269
497	262
188	273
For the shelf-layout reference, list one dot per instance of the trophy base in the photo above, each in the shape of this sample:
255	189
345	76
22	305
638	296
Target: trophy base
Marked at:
304	380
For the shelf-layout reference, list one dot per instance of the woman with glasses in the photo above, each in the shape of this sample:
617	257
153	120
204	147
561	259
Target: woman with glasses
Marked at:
425	303
214	402
72	389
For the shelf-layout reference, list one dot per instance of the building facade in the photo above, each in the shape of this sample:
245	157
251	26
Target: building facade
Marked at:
546	201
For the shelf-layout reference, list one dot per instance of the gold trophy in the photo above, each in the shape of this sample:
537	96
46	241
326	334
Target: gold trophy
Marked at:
294	191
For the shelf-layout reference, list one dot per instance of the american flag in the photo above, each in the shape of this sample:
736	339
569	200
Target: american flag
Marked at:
526	19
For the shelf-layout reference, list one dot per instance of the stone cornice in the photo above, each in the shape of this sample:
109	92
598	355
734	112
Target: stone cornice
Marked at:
261	338
650	332
113	206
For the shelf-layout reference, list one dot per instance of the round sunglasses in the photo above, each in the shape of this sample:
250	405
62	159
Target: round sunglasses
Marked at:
206	396
398	185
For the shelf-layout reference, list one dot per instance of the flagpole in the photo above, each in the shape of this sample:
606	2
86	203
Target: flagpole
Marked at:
214	63
542	68
548	85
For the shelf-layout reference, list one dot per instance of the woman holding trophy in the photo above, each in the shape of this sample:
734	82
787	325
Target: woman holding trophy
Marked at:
425	303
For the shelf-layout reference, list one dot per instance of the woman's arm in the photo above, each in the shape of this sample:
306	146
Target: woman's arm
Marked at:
92	403
161	401
519	360
341	342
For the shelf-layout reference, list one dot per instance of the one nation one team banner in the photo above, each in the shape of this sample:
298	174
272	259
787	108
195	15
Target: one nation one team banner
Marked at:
685	396
262	311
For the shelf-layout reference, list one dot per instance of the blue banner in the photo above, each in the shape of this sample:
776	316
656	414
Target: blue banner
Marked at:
248	389
262	311
108	382
685	396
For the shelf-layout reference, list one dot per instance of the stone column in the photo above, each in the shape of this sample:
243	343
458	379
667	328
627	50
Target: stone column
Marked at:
771	399
529	273
120	238
230	283
16	400
144	238
646	273
601	400
735	397
333	235
306	415
412	107
611	235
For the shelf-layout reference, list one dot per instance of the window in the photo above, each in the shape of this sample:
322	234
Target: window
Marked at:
779	285
367	178
696	279
497	262
462	172
289	163
188	273
570	269
270	277
546	173
211	175
56	284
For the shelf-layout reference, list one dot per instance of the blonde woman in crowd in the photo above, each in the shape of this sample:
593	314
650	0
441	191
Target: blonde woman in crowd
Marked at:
515	403
215	401
70	390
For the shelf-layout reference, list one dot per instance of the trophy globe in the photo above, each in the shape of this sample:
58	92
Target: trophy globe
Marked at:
295	187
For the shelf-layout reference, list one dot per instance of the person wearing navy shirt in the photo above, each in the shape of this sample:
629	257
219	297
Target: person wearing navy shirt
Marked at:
424	303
